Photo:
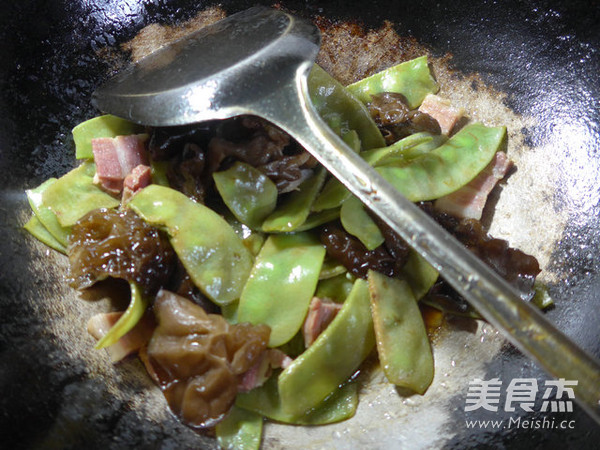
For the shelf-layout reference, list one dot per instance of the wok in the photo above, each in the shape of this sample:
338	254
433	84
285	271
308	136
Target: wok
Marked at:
533	64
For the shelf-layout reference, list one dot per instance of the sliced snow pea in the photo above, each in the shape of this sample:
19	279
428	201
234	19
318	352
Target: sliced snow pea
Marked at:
265	400
73	195
402	343
102	126
352	138
129	319
332	358
419	274
336	288
319	218
335	193
281	284
40	232
229	312
331	268
448	167
405	149
249	194
45	215
358	223
541	298
253	240
294	210
337	106
413	152
159	172
240	430
411	79
332	196
210	250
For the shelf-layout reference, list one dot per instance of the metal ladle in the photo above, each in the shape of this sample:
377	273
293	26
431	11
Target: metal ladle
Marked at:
257	62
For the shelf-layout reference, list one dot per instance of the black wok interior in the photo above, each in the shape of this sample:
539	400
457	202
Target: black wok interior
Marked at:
545	55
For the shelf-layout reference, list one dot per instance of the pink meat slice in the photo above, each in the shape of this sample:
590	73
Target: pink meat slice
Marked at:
320	314
262	370
468	202
139	178
116	158
442	111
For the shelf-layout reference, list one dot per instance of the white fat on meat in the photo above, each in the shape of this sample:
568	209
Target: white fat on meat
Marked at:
468	202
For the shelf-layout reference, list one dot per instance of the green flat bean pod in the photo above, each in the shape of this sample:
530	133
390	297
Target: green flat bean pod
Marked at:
210	250
331	268
281	284
159	172
448	167
358	223
402	343
541	298
253	240
334	356
413	152
294	211
265	400
249	194
74	195
336	288
240	430
103	126
41	233
129	319
405	149
411	79
338	107
45	215
419	274
319	218
352	139
333	195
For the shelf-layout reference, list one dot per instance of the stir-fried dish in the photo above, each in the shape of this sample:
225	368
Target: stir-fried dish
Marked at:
259	284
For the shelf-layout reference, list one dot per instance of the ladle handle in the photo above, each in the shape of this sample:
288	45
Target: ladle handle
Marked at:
520	322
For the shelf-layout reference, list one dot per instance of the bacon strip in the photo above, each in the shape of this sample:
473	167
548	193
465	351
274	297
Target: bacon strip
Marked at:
130	343
116	158
468	202
139	178
320	314
261	371
441	110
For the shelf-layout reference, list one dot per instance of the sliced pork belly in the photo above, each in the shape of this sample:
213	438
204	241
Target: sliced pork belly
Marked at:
441	110
468	202
116	158
320	314
262	370
139	178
